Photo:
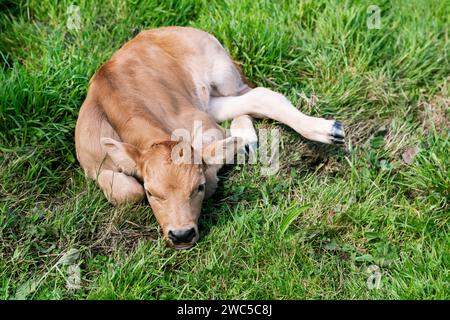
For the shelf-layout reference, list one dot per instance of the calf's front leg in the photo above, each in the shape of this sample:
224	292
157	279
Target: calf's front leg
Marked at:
119	187
242	127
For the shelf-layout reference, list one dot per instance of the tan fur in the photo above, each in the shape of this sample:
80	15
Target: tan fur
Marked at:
161	81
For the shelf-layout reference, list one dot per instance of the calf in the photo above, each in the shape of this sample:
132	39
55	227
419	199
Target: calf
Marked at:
162	82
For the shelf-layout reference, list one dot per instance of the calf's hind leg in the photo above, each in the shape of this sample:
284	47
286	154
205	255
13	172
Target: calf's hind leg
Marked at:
265	103
119	187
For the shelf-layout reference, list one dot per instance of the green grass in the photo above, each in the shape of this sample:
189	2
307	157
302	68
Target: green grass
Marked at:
309	232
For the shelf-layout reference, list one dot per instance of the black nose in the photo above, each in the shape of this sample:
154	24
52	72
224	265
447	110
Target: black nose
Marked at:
182	235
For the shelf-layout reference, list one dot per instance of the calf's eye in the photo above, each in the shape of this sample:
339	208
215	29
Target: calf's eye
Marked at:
201	188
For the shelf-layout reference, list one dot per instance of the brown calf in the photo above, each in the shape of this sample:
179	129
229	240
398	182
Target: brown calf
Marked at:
163	81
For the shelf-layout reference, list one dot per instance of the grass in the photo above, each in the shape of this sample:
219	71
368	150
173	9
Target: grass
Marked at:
311	231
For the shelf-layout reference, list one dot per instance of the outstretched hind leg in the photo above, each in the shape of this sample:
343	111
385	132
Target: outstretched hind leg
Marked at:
119	187
231	98
265	103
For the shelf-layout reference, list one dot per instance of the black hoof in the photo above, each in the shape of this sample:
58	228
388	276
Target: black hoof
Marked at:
337	130
250	147
337	133
337	141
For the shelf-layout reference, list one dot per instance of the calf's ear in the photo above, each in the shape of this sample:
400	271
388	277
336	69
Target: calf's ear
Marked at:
124	155
221	151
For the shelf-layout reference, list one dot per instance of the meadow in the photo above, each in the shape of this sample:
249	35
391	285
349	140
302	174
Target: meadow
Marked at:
368	220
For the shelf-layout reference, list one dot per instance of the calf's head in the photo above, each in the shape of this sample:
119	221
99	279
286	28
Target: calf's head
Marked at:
174	181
